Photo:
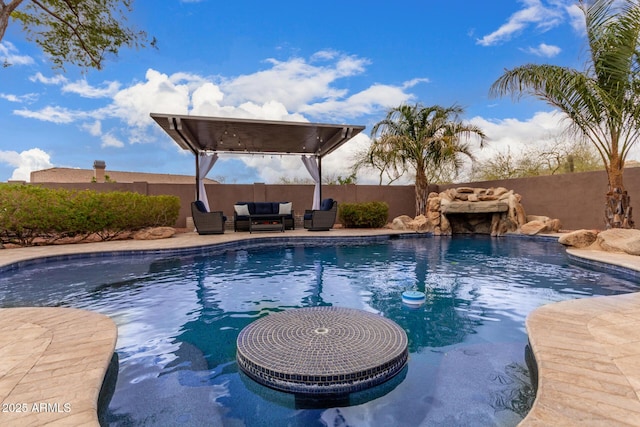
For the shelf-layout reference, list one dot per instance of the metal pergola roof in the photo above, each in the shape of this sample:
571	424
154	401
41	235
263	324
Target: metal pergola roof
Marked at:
218	134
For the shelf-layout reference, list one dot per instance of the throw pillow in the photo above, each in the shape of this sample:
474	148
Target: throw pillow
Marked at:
241	210
285	209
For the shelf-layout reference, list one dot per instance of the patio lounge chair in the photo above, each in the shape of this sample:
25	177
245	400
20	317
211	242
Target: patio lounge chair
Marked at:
323	218
207	222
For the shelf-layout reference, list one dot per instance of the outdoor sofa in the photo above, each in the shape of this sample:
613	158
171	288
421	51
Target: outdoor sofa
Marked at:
207	222
321	219
245	212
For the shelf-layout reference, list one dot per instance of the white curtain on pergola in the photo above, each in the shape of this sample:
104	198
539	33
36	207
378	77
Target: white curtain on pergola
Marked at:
311	163
205	164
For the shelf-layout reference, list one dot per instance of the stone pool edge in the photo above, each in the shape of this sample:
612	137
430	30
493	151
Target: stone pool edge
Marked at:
587	353
54	362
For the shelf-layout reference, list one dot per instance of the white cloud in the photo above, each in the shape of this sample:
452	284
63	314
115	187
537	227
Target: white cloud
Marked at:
25	162
359	104
29	97
272	168
518	136
413	82
576	18
109	140
94	128
284	91
55	80
295	82
58	115
545	50
533	13
157	94
9	55
82	88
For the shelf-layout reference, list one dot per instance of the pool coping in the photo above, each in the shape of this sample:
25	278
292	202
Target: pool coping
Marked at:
568	393
53	365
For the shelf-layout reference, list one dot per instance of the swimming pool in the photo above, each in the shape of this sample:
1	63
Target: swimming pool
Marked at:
178	316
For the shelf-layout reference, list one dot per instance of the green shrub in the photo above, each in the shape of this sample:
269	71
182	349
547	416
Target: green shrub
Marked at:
364	215
30	212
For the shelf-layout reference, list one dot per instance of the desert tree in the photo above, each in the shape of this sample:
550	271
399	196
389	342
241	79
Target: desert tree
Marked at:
78	32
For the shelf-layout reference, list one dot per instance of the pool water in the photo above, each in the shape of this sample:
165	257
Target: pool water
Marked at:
178	318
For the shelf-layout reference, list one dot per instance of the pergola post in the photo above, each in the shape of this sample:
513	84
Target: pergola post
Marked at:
197	177
320	182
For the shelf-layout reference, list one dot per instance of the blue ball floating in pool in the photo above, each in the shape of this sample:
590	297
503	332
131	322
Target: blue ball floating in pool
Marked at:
413	298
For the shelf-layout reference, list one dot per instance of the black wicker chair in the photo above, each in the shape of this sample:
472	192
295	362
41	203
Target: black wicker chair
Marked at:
207	222
322	219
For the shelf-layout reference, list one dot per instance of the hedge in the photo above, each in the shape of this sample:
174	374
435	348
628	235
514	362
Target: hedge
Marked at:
30	213
364	215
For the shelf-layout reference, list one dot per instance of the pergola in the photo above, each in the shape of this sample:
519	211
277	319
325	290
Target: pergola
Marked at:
207	136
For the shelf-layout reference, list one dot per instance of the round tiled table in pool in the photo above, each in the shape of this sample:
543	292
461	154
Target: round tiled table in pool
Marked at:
322	350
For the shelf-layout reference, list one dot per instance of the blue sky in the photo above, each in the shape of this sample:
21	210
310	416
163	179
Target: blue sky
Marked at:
330	61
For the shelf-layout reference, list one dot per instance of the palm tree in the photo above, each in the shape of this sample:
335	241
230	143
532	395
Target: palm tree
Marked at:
425	139
603	102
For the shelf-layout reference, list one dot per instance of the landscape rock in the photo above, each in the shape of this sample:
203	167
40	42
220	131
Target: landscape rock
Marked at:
154	233
541	224
533	227
420	224
554	225
538	218
401	222
619	240
579	238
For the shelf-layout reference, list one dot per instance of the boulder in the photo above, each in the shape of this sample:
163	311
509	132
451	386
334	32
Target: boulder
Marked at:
420	224
533	227
474	207
554	225
445	227
154	233
619	240
401	222
449	195
516	211
433	204
498	191
537	218
505	196
465	190
579	238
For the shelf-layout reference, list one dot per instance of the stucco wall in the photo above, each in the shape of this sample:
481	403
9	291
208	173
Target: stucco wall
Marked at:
576	199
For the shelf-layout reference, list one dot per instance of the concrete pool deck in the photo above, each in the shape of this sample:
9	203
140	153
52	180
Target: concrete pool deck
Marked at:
587	350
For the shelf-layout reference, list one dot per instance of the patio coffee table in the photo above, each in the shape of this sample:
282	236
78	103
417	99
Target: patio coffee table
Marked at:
266	223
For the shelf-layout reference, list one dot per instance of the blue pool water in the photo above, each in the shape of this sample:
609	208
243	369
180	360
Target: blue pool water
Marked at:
178	317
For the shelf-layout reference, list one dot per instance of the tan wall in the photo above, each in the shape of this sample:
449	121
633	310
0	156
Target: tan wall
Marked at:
576	199
222	197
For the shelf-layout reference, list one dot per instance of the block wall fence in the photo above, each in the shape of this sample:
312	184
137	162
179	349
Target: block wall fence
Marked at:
577	199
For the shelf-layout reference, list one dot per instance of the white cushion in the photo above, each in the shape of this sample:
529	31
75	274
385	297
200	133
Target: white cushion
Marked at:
284	208
241	210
